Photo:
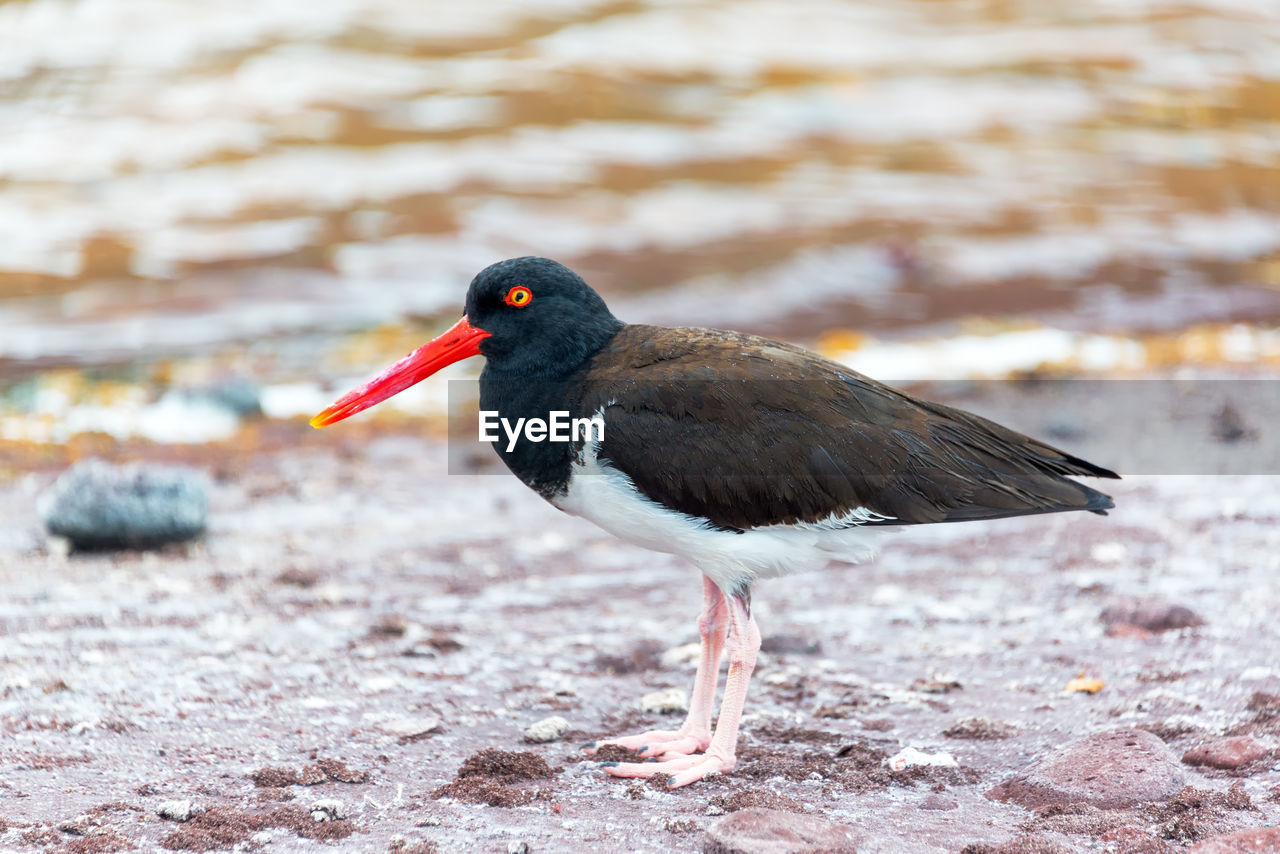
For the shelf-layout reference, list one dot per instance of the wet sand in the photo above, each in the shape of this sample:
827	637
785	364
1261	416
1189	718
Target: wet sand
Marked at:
349	593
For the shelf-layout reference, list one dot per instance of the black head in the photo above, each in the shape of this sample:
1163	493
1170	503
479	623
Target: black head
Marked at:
542	318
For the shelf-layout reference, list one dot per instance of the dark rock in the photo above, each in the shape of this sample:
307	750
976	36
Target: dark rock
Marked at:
1109	770
1153	615
238	396
1260	840
97	505
981	729
1227	754
764	831
1229	426
643	655
790	645
939	802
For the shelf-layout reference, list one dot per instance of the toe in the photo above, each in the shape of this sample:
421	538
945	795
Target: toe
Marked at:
649	769
671	749
709	766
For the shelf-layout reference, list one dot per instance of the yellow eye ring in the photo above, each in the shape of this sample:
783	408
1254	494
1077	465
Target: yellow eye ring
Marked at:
519	296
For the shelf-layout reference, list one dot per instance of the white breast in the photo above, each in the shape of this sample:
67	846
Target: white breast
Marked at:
607	497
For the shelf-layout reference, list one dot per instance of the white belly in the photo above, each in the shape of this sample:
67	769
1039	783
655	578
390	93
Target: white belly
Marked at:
732	560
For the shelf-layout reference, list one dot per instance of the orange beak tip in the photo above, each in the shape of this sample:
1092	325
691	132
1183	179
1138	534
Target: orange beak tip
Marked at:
459	342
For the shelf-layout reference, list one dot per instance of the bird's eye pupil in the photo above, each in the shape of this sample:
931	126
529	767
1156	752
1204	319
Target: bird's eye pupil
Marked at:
518	296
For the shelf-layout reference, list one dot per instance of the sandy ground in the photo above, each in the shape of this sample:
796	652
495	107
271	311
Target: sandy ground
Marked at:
337	595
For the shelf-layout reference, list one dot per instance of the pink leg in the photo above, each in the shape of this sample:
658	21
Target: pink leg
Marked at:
695	733
744	643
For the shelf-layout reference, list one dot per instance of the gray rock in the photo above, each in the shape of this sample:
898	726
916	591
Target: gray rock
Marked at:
1154	615
328	809
939	802
666	702
547	729
97	505
238	396
1110	770
764	831
410	729
175	810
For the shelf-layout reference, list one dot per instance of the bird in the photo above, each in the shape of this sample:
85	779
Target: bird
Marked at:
750	457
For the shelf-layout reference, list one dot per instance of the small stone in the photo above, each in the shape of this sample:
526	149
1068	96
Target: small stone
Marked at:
681	657
938	683
1260	840
981	729
262	837
765	831
1084	685
518	847
1109	770
1229	426
665	702
410	728
643	655
1227	754
547	729
83	825
238	396
328	809
939	802
909	757
97	505
790	645
175	810
1153	615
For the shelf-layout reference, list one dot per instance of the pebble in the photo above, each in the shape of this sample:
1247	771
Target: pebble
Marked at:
765	831
1153	615
328	809
1260	840
1109	770
909	757
547	729
410	728
175	810
238	396
665	702
1227	753
784	644
681	657
939	802
519	847
97	505
83	825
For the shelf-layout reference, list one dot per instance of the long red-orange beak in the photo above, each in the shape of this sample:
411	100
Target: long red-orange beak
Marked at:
461	341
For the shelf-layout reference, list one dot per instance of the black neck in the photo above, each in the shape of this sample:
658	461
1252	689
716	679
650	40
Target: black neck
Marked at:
521	389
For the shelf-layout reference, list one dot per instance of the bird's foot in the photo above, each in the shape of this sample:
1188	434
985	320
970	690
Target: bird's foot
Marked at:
658	742
682	770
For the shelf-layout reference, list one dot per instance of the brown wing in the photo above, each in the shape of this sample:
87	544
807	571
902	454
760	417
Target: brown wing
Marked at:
745	431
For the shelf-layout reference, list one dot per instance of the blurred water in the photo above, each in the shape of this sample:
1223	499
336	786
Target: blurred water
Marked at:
178	175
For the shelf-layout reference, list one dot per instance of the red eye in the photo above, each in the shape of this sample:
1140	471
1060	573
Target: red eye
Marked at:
519	296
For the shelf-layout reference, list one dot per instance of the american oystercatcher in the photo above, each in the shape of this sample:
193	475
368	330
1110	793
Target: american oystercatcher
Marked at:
750	457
